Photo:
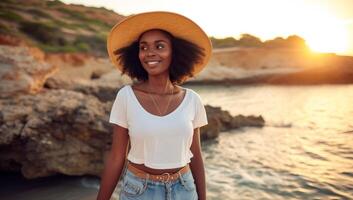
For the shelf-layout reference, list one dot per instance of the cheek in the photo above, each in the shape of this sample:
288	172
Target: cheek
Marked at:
168	55
141	57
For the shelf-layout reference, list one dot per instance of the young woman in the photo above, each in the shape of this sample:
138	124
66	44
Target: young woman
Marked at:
160	119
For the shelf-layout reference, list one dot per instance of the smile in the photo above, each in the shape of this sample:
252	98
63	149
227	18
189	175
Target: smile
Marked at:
152	63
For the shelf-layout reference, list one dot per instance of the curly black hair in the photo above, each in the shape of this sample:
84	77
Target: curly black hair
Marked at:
185	55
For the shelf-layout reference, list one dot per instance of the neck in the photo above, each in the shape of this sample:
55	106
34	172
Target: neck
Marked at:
160	84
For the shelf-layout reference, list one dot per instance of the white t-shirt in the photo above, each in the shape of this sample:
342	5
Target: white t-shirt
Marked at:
160	142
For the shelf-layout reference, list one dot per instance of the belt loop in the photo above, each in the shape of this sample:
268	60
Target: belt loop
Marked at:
181	179
146	180
168	177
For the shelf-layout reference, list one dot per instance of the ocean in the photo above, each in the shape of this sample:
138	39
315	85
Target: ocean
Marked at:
305	151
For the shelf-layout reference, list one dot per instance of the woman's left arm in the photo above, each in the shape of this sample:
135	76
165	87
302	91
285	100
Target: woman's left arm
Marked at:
197	166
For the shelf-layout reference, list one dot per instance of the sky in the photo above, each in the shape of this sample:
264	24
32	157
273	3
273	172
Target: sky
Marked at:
326	25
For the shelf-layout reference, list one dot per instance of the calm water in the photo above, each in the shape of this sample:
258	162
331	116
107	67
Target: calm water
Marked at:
305	151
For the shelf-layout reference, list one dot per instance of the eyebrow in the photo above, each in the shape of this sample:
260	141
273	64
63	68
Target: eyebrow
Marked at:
144	42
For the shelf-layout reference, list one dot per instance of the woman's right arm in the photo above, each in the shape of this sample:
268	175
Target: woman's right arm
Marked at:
114	163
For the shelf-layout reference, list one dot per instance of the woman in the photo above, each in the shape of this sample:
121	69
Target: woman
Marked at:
160	119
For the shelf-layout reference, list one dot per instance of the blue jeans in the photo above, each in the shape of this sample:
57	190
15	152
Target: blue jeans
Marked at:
135	188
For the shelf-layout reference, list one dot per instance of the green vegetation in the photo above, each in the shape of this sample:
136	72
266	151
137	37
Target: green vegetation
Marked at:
72	14
82	47
84	26
10	16
49	38
4	29
247	40
96	44
42	32
99	23
8	1
83	18
38	13
81	44
223	43
82	30
55	49
292	41
61	24
45	30
54	3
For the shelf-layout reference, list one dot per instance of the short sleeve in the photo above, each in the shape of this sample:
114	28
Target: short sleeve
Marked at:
118	113
200	118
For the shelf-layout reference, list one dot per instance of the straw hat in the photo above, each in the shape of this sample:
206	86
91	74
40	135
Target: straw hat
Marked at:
129	30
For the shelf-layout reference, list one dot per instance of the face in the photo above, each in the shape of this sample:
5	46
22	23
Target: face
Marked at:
155	52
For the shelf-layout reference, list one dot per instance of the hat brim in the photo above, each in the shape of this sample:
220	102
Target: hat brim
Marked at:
129	30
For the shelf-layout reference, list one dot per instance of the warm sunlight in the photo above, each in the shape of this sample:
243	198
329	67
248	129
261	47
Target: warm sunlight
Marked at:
327	26
324	33
247	99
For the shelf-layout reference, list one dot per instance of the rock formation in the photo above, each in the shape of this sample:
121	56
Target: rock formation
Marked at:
62	131
63	127
22	70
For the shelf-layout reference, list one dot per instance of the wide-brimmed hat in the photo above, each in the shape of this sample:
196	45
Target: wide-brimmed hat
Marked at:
129	30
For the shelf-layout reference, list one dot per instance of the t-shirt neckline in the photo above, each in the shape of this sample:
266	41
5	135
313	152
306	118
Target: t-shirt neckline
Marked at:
171	113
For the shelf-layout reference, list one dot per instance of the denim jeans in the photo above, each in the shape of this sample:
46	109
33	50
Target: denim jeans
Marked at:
135	188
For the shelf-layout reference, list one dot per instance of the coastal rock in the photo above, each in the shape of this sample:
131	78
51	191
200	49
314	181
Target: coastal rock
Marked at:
86	74
284	66
220	120
67	132
74	66
22	70
104	88
56	131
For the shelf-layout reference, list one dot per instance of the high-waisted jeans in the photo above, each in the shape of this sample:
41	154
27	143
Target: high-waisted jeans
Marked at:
135	188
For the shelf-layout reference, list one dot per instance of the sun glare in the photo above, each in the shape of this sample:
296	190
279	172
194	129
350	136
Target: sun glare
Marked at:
328	37
323	32
320	23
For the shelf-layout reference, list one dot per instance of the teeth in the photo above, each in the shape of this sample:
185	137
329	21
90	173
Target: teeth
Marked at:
152	62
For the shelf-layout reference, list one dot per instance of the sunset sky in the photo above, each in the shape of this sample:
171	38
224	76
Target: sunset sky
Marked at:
326	25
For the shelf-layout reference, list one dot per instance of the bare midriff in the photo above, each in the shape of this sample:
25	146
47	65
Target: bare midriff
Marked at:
154	171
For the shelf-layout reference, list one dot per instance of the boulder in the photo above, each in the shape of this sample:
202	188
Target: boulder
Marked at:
220	120
22	70
56	131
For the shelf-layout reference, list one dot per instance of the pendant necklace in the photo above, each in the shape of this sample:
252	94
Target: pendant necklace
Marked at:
169	100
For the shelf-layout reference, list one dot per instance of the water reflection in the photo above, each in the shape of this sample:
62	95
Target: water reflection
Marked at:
302	153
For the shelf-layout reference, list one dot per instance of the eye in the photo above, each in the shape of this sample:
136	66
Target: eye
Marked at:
143	48
160	46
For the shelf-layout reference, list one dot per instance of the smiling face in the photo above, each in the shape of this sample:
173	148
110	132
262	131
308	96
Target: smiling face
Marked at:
155	52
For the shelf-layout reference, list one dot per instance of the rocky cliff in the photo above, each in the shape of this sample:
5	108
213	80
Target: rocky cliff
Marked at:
275	66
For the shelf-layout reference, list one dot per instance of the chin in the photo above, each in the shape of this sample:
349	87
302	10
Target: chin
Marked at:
154	71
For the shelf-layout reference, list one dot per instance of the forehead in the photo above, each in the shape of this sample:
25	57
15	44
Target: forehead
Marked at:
154	35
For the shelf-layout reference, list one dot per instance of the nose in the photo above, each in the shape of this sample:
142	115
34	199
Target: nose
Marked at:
151	52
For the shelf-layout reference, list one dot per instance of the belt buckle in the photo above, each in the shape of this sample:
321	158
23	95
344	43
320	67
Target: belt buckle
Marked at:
168	177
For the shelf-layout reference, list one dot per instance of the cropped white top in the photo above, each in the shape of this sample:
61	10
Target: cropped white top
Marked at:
160	142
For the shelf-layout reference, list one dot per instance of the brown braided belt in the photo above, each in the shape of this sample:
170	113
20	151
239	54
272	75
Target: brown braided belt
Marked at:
165	177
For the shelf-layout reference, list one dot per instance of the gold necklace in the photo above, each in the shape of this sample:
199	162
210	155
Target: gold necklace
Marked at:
155	103
169	100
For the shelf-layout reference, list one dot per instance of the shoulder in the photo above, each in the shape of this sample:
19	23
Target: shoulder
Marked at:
194	96
123	91
192	92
